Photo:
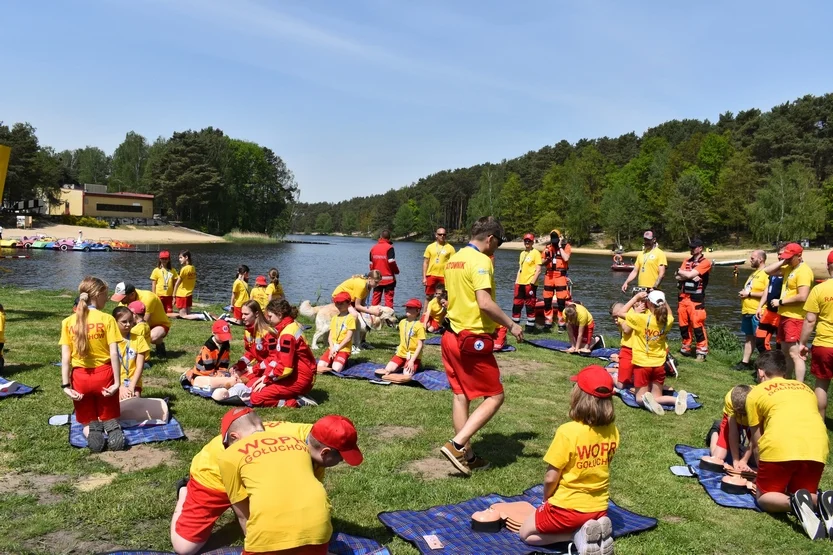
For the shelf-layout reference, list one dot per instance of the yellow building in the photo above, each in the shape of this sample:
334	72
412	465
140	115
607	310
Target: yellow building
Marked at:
94	201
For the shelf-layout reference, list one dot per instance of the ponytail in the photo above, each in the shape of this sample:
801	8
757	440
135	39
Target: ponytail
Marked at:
373	274
90	288
274	275
187	255
661	314
242	269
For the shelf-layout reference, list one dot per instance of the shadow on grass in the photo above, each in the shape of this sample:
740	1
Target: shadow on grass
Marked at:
29	314
170	355
503	450
829	423
223	537
13	369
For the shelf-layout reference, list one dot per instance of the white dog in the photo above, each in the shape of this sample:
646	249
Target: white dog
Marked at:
324	314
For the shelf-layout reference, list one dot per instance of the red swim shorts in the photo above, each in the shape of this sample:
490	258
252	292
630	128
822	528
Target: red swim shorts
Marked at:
625	365
788	476
822	362
167	302
400	362
550	519
202	507
94	406
644	377
789	329
184	302
237	312
341	357
431	283
471	375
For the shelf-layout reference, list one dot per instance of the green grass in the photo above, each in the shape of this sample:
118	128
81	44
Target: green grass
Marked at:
249	237
134	510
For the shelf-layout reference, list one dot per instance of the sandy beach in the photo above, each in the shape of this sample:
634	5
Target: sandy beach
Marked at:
138	235
816	259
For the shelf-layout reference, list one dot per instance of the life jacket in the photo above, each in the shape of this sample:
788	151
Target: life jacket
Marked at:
380	255
554	264
773	291
211	360
694	289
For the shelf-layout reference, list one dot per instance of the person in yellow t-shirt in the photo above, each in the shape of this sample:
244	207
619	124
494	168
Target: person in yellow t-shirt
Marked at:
434	259
649	268
162	281
202	498
2	336
155	316
133	351
90	366
624	368
411	341
435	312
259	293
724	436
340	340
798	278
650	349
819	316
754	288
577	481
580	329
184	289
526	283
788	436
274	290
239	293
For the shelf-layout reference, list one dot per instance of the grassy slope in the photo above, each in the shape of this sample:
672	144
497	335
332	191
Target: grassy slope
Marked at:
134	510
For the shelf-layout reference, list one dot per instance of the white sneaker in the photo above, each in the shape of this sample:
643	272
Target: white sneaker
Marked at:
607	535
802	507
304	401
355	350
651	404
587	539
681	405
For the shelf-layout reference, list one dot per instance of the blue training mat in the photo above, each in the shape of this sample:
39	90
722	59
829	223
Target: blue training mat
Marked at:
561	346
452	525
711	480
341	544
435	340
19	391
132	436
433	380
630	399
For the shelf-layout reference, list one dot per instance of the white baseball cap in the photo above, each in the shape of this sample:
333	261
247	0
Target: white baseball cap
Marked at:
656	297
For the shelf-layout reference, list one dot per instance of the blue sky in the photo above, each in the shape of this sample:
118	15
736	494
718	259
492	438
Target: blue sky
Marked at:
360	97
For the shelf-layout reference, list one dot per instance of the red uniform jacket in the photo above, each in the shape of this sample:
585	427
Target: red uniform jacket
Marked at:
382	258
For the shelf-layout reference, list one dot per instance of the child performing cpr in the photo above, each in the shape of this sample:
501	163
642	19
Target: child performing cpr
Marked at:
340	340
435	311
133	351
411	341
577	481
725	435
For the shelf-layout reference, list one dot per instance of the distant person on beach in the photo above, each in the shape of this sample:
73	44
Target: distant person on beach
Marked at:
383	259
467	345
692	281
434	259
155	316
555	263
819	317
753	290
184	289
649	267
526	283
163	279
798	278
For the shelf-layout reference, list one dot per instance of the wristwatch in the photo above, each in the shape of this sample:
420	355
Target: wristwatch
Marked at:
66	385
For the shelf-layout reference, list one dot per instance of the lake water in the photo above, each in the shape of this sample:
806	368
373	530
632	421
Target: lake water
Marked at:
313	271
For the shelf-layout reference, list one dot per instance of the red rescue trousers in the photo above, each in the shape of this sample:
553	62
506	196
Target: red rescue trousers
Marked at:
524	295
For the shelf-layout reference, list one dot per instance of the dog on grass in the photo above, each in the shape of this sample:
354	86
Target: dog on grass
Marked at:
324	314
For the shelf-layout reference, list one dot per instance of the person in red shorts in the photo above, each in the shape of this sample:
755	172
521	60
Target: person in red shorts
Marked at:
577	481
790	442
340	340
725	435
467	344
819	317
202	499
798	278
434	259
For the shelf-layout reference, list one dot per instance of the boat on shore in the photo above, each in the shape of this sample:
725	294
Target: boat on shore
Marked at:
739	262
621	267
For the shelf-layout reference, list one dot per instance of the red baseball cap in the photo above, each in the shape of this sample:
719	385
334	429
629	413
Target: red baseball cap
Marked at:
529	237
790	250
413	303
230	417
339	433
137	307
343	297
222	330
594	380
261	280
830	258
165	255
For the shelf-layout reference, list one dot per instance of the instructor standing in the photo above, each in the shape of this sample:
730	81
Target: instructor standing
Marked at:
434	259
692	280
467	344
650	265
383	259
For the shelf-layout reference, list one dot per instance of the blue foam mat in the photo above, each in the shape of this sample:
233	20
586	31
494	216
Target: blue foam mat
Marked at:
341	544
452	525
19	392
437	339
561	346
433	380
630	399
133	436
711	480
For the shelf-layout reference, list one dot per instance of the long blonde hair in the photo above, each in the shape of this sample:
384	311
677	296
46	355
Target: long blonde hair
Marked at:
89	288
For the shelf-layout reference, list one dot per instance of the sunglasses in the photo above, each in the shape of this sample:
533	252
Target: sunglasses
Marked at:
500	240
441	234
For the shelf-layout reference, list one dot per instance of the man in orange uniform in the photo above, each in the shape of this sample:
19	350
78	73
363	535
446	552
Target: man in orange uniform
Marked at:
383	258
692	280
556	263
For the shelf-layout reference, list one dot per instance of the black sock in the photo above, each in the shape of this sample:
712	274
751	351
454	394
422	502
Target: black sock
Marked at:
457	445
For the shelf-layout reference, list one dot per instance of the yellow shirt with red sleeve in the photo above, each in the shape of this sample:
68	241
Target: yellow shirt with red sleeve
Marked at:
787	412
260	296
757	283
648	341
583	315
435	310
288	506
468	271
410	334
128	350
647	265
529	262
188	280
582	453
820	302
240	292
339	326
155	314
800	276
102	331
437	256
165	280
729	410
273	290
355	286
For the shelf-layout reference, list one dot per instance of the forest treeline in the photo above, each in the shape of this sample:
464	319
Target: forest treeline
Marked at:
204	178
767	176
